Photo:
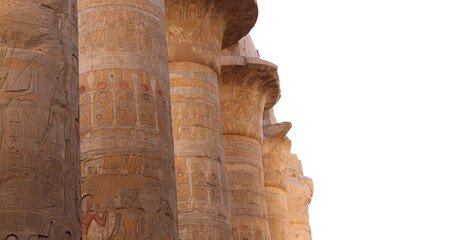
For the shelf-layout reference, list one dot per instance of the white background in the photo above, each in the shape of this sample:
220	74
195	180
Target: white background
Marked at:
375	92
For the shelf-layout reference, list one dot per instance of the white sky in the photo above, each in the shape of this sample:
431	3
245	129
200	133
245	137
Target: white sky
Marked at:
375	92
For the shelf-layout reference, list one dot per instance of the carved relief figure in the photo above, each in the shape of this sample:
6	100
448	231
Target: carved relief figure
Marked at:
39	121
90	215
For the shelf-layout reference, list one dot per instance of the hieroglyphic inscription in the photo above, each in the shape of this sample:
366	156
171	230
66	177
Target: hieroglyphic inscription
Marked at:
204	38
125	107
276	149
103	108
122	97
128	180
39	183
246	187
117	29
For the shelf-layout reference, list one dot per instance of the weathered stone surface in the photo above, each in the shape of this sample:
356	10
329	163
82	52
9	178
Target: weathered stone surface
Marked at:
300	192
247	87
244	47
197	30
39	131
202	198
127	156
246	188
276	148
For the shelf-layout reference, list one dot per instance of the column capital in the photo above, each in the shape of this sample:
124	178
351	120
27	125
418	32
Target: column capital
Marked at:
252	72
197	30
276	148
247	87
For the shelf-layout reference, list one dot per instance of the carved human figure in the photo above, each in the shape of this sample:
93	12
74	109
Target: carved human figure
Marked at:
90	216
39	169
127	159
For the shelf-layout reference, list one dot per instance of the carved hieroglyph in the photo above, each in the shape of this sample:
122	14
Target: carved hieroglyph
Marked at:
247	87
276	149
39	131
197	30
300	192
127	152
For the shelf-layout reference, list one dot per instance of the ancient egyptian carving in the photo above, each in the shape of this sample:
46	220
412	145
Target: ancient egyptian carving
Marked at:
300	192
38	144
127	163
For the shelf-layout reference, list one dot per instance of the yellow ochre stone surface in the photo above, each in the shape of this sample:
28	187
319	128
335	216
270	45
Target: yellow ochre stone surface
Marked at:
300	192
39	128
127	152
247	87
197	30
142	120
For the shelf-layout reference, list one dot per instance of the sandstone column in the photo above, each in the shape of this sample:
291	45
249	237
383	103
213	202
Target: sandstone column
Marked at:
300	192
197	31
248	86
127	156
39	131
276	148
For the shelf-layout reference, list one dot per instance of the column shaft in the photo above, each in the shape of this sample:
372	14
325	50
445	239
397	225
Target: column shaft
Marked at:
127	156
247	87
300	192
276	147
196	31
246	188
200	163
39	130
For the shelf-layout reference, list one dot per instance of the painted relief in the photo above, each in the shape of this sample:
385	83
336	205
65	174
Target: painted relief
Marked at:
85	111
147	109
103	108
130	96
117	29
127	163
242	110
204	38
125	107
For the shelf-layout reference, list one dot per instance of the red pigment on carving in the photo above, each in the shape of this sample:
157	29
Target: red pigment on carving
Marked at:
101	85
123	84
145	87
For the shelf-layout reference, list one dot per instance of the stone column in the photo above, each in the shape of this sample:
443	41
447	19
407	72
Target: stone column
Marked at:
127	152
276	148
197	31
300	192
39	131
248	86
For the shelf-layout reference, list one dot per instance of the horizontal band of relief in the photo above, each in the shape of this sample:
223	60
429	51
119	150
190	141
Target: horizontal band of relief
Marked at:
155	8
